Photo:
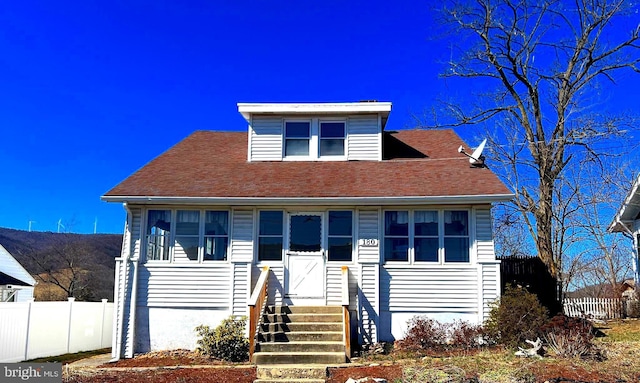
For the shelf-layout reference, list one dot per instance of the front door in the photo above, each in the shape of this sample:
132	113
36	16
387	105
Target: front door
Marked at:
306	260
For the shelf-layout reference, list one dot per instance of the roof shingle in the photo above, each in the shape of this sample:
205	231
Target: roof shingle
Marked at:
418	163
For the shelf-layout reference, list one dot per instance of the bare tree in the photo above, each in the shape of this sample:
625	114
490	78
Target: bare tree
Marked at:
540	62
602	259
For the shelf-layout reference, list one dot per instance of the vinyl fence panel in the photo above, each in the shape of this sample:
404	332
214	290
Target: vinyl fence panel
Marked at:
39	329
14	322
596	308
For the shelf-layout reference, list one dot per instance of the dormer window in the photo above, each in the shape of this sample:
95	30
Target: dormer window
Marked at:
297	135
332	137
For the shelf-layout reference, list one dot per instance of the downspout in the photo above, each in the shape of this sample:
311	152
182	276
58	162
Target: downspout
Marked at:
134	296
117	343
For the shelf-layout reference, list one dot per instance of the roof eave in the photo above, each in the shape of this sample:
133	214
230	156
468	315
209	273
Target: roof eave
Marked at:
320	201
628	211
247	109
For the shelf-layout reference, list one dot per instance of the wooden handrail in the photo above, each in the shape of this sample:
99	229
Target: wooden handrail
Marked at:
256	307
346	319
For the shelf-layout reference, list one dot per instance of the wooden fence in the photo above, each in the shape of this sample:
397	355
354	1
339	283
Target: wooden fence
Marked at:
596	308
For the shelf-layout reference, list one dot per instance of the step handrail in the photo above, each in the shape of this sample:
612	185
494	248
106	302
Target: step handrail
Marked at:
346	320
257	304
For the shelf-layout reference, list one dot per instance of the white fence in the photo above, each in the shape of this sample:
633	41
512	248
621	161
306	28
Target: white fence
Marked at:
596	308
30	330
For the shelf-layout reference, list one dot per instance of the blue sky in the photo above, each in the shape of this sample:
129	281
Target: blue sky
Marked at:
91	91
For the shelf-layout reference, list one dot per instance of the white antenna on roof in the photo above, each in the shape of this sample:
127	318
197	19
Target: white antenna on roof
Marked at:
476	159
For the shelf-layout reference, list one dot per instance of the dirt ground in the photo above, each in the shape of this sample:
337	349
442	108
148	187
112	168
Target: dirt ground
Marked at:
484	366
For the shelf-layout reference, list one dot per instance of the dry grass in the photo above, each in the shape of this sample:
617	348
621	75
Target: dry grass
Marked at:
620	346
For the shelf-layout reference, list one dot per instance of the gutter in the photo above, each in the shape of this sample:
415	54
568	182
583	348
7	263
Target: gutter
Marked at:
362	201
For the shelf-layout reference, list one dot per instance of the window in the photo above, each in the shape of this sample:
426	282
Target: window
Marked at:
396	235
425	240
185	247
158	232
195	236
456	236
216	235
270	236
340	238
306	233
332	138
297	135
436	236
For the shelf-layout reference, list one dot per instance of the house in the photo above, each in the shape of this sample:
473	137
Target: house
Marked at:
627	221
396	224
16	284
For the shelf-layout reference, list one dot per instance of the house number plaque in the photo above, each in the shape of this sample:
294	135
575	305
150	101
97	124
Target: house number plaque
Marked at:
368	242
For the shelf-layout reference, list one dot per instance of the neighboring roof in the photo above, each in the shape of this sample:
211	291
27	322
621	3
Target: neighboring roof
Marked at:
12	268
9	280
212	167
363	107
629	211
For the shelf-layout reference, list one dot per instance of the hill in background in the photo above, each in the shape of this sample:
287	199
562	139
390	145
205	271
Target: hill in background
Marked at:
65	264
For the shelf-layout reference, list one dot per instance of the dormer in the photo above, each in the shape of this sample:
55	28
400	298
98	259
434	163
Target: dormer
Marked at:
349	131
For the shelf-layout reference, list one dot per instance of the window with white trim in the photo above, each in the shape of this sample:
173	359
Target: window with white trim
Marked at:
270	235
396	235
340	236
332	137
191	236
158	234
426	236
297	136
456	236
216	235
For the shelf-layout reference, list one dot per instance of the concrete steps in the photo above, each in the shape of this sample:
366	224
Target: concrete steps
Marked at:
300	335
287	373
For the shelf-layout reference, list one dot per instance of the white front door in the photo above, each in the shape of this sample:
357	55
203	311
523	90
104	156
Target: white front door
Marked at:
306	260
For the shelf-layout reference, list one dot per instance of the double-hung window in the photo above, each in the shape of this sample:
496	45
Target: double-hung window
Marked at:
456	236
332	137
425	235
158	234
340	237
216	235
185	247
297	136
396	235
270	235
436	236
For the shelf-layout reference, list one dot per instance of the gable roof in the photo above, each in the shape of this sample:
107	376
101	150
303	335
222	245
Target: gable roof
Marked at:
12	269
211	167
629	211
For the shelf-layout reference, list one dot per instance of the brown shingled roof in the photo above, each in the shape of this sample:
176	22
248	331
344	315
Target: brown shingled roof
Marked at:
418	163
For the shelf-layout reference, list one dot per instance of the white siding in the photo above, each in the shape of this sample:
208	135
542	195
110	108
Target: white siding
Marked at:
240	291
368	228
266	139
484	237
429	290
369	312
275	283
490	274
364	138
184	286
242	236
334	286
